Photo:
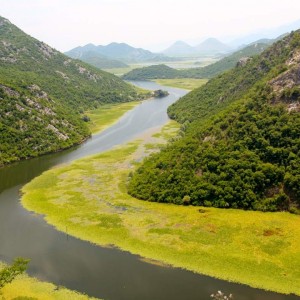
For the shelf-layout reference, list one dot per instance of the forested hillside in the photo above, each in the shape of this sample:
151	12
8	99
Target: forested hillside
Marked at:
240	144
94	58
42	94
226	63
152	72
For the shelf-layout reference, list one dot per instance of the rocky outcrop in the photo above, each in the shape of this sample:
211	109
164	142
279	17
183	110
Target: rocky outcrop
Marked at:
243	61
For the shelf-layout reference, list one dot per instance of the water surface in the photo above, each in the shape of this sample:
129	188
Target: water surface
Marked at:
101	272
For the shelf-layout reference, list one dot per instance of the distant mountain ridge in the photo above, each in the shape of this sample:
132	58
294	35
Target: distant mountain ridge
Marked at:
271	33
226	63
213	46
96	59
210	46
117	51
179	48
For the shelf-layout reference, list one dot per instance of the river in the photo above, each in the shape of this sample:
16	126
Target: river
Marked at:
107	273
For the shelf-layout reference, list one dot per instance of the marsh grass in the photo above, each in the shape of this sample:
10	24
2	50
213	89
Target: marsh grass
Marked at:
89	198
25	287
183	83
104	116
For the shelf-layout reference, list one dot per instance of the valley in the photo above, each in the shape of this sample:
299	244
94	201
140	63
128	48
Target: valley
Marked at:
113	192
67	248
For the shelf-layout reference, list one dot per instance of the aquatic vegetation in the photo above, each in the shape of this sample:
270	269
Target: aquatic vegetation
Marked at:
89	197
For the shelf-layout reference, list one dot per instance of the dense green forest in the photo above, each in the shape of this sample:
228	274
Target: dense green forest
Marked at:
152	72
210	71
43	94
240	143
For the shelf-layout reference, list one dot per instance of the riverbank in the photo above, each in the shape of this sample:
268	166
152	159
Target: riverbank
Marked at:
88	199
106	115
182	83
28	288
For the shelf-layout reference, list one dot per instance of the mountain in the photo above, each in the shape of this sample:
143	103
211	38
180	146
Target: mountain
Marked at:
226	63
117	51
240	139
263	33
43	93
212	46
179	48
94	58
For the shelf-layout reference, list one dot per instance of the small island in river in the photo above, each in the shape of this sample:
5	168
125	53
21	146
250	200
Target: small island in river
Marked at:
160	93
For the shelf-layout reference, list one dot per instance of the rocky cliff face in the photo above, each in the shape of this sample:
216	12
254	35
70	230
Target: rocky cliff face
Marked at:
286	86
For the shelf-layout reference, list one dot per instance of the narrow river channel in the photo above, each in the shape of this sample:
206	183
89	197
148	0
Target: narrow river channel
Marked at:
101	272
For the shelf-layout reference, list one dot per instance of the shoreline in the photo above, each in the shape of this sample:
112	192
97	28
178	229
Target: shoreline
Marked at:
118	111
138	227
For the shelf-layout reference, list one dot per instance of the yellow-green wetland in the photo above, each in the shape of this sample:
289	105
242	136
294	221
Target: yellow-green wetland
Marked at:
182	83
88	198
104	116
28	288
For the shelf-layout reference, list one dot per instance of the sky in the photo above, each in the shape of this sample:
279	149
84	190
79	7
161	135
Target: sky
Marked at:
151	24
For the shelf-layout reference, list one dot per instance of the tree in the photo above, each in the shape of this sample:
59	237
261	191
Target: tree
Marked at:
8	274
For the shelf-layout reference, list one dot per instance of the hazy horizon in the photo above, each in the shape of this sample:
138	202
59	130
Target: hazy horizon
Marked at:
152	25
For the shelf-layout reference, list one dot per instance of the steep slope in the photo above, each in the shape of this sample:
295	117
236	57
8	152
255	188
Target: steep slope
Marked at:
226	63
271	33
241	140
118	51
42	92
94	58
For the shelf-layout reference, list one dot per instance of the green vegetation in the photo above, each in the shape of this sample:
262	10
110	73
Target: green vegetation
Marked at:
28	288
152	72
212	70
106	115
43	94
182	83
231	244
160	93
227	63
8	274
241	140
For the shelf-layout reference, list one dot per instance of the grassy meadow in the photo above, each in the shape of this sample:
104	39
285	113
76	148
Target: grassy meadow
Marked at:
182	83
88	197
